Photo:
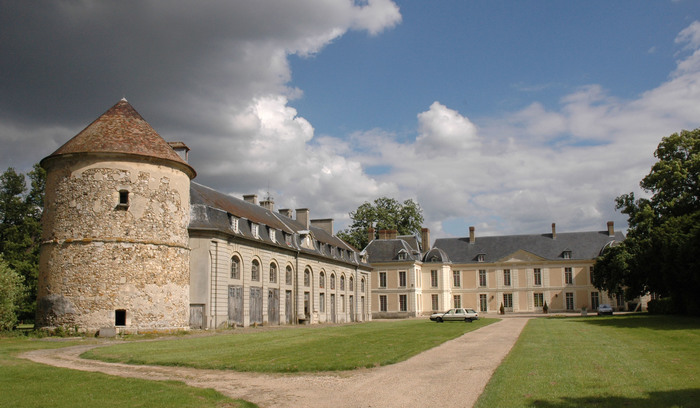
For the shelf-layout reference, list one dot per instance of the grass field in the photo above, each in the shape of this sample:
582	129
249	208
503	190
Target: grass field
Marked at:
299	349
27	384
620	361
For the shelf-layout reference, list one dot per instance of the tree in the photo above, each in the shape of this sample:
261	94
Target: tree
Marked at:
20	229
383	213
11	292
660	254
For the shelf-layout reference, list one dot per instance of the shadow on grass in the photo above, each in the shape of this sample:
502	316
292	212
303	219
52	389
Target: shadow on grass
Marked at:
674	398
644	320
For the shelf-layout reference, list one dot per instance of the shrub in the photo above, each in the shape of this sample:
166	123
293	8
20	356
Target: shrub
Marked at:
662	306
11	291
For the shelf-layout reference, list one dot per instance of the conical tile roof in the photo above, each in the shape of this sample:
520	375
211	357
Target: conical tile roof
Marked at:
122	130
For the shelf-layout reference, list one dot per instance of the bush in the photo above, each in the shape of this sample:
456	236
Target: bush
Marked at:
11	292
662	306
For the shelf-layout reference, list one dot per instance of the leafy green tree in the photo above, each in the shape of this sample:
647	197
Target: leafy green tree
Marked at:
20	229
660	254
383	213
11	293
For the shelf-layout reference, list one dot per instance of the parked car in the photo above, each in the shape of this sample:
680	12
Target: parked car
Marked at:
605	310
456	314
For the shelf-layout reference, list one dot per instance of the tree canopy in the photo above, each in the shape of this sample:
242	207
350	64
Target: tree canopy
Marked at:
20	230
383	213
660	253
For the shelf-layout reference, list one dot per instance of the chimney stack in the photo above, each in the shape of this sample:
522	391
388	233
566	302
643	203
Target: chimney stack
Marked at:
392	234
425	239
325	224
611	229
268	204
251	198
370	234
554	231
472	238
383	233
286	212
303	217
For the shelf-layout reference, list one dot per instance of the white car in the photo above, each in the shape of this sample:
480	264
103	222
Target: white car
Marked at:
605	310
457	314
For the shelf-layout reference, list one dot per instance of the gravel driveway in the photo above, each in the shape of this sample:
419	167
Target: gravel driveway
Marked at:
452	374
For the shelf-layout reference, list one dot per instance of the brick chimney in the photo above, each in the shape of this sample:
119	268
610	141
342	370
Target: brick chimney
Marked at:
383	233
472	238
268	204
287	212
303	217
370	234
611	229
251	198
425	239
554	231
391	234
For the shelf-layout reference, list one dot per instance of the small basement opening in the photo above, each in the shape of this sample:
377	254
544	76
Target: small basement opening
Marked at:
120	317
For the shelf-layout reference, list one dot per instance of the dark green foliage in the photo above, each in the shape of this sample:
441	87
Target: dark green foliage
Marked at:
384	214
20	229
11	292
660	254
661	306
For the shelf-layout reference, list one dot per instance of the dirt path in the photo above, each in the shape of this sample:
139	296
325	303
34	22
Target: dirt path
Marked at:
452	374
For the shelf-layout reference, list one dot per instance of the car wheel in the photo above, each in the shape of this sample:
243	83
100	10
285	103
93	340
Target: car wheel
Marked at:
439	320
468	320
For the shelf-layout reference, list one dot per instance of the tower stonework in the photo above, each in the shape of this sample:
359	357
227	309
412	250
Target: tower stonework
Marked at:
115	243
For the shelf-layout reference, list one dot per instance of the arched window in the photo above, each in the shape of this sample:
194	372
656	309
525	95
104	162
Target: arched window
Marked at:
307	277
352	283
288	275
255	271
235	267
342	282
322	280
362	285
273	273
332	281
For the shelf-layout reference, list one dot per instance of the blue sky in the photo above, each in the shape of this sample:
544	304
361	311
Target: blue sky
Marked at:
503	115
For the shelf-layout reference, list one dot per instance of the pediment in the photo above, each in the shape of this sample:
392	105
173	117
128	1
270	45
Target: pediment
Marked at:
521	256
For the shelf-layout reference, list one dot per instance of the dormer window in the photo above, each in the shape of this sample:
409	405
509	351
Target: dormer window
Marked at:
287	239
254	229
480	257
566	254
273	234
402	255
123	199
233	221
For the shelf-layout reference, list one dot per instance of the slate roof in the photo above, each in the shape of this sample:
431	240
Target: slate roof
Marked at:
583	245
210	210
386	250
122	130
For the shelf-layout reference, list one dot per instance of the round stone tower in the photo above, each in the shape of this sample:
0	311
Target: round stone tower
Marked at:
115	244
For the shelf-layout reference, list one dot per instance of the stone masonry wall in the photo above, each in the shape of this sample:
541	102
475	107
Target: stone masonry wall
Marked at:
98	257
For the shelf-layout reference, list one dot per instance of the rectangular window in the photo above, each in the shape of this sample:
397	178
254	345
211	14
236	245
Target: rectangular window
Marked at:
273	235
539	299
457	300
254	230
403	303
434	278
569	301
568	276
435	304
123	198
508	302
620	300
322	302
595	301
402	279
483	303
382	303
234	223
482	278
456	280
382	279
506	277
538	277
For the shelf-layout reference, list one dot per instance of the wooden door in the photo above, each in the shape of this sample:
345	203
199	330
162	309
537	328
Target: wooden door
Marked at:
235	305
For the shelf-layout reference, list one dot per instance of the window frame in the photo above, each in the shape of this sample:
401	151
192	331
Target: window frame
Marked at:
483	281
456	279
383	303
402	279
382	280
506	277
434	282
403	303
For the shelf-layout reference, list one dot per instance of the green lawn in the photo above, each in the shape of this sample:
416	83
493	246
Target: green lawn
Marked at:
27	384
299	349
620	361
